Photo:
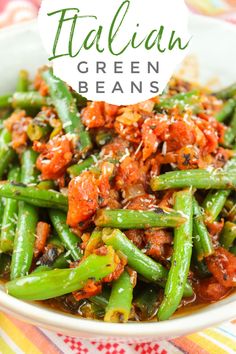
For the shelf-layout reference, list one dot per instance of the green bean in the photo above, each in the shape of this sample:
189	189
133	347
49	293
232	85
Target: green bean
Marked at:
94	241
23	81
215	200
38	129
67	110
50	284
233	123
214	203
29	172
46	185
233	250
137	260
120	302
227	110
68	239
34	196
180	100
5	101
24	240
2	207
137	219
228	235
201	179
77	169
27	100
200	233
7	154
62	262
27	221
229	137
227	93
9	216
146	303
180	261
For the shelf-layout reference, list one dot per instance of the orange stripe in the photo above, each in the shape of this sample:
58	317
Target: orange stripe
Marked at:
188	346
206	343
35	336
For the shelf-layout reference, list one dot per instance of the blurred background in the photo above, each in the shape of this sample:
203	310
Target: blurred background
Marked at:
15	11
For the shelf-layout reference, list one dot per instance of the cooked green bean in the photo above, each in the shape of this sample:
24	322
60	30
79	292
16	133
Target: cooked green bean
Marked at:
120	302
228	235
227	92
46	185
233	250
50	284
9	216
67	110
137	260
38	128
68	239
200	233
138	219
27	221
201	179
233	123
214	203
34	196
180	100
23	81
77	169
180	260
5	101
229	137
227	110
7	154
94	242
28	100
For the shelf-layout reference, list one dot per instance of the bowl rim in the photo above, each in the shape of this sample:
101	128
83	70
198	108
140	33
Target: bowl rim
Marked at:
66	322
193	322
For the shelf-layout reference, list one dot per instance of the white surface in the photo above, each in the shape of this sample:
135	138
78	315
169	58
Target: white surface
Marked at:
214	46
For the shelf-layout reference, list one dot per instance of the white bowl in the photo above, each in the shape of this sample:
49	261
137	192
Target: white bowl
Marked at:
214	48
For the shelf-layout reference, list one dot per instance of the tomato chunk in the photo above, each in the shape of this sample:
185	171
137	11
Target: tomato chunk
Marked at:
153	131
158	243
210	290
87	193
222	264
54	157
17	124
42	233
83	198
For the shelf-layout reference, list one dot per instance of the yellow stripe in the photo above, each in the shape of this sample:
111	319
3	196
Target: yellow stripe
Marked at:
207	345
4	347
221	338
16	335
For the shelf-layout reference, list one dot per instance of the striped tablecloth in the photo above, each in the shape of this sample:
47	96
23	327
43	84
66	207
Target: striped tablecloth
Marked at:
18	337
